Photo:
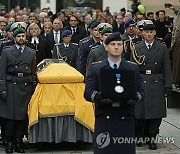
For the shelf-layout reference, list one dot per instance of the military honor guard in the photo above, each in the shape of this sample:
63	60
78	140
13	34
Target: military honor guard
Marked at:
155	71
113	117
17	80
66	50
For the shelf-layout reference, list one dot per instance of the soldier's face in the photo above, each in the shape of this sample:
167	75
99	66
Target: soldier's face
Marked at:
149	35
20	39
103	37
95	32
67	39
115	48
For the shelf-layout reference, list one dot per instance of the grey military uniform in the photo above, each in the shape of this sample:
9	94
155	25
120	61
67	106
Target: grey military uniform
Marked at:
17	76
96	55
156	75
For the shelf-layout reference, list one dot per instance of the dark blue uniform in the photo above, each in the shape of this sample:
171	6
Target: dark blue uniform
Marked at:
112	121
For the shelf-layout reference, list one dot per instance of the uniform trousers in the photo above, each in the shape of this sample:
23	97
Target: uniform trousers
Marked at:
15	129
147	127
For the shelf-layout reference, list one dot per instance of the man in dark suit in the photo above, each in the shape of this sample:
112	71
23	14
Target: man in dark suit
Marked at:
66	50
112	118
78	32
118	25
54	37
156	74
17	79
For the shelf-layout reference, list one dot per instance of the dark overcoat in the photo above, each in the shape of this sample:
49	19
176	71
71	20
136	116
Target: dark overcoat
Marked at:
19	89
111	121
157	60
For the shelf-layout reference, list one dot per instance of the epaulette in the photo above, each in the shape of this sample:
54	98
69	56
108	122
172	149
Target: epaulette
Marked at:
94	47
160	40
6	41
97	62
132	62
75	44
86	40
7	46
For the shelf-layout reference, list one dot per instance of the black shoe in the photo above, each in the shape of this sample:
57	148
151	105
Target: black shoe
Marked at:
152	146
2	141
19	147
9	147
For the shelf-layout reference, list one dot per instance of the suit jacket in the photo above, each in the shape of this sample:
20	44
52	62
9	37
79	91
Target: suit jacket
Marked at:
120	29
69	55
157	60
42	50
51	42
116	121
19	89
78	35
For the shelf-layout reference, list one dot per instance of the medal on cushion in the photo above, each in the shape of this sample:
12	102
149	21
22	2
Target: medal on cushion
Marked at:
118	88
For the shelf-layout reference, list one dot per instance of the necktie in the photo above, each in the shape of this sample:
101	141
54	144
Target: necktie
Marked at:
20	49
66	47
149	46
74	30
56	38
115	66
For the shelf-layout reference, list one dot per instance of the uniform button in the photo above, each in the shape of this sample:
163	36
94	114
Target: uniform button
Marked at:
15	66
144	63
122	118
155	63
25	83
14	82
70	61
145	81
26	67
107	117
156	81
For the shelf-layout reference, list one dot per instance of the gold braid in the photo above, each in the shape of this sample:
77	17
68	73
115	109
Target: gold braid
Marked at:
138	59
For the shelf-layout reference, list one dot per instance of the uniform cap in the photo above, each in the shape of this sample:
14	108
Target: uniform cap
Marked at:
18	31
8	27
129	22
106	30
94	24
17	25
113	37
91	22
142	23
66	33
101	26
149	27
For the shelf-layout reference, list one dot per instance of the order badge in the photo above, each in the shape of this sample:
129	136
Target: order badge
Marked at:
119	89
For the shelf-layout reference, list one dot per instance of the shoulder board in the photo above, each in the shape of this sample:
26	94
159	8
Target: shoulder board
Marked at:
75	44
94	47
86	40
7	46
97	62
160	40
132	62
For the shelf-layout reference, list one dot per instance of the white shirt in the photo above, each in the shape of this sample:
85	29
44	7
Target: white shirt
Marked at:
22	48
72	30
34	39
58	35
147	44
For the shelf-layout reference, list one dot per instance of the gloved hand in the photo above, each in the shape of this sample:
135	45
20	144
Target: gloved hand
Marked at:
167	91
98	99
134	102
3	95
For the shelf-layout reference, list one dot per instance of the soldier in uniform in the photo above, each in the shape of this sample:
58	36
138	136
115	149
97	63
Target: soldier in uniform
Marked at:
110	119
8	41
66	50
17	80
156	74
99	53
85	47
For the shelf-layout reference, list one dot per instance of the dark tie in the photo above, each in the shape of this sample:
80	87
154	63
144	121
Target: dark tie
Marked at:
149	46
20	49
115	66
56	38
66	47
74	30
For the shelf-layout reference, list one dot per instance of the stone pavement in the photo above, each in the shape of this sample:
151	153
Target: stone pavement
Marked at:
170	127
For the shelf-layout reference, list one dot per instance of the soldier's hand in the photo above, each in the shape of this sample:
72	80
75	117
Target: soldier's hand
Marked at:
3	95
167	91
98	99
106	101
